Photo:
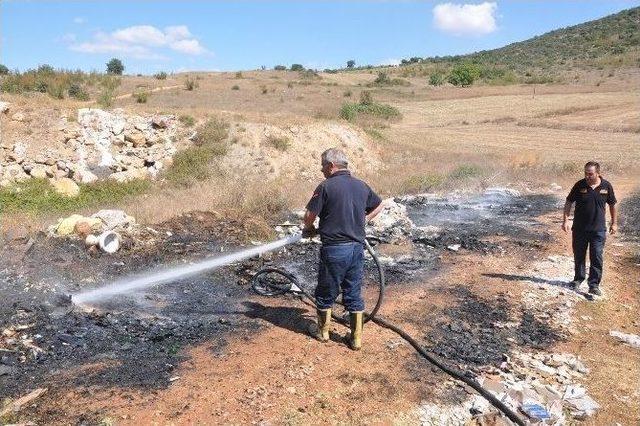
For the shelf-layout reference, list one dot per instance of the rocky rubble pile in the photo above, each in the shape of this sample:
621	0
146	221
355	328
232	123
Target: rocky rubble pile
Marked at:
99	144
543	387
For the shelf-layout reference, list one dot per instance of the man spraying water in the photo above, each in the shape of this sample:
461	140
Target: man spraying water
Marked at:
343	204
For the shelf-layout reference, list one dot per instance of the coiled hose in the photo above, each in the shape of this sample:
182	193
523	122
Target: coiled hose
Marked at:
465	377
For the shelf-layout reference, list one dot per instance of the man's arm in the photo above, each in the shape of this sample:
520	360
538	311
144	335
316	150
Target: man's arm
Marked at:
373	213
309	231
613	228
565	215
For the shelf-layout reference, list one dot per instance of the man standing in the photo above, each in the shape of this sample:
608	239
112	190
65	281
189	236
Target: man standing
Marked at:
590	194
343	204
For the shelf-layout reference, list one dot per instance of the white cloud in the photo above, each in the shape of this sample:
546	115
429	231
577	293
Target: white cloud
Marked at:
79	20
142	42
466	19
190	47
145	35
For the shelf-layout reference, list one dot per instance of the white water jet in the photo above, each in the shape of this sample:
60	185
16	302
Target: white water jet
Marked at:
171	274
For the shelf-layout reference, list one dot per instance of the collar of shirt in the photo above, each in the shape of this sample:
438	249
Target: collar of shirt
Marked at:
341	173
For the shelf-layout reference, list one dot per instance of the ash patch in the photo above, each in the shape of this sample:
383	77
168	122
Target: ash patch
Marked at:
128	342
479	332
471	221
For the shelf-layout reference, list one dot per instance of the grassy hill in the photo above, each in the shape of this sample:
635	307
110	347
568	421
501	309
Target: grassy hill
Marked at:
609	42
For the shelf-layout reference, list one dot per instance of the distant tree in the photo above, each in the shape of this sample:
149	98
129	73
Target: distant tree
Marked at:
297	67
115	66
351	63
3	70
464	74
45	69
280	68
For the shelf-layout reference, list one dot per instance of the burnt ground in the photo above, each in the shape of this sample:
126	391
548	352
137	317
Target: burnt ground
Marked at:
134	342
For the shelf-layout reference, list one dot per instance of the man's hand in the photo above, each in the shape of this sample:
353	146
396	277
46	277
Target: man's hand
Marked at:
565	226
613	228
309	232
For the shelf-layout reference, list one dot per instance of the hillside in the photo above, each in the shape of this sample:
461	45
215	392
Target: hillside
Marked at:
610	42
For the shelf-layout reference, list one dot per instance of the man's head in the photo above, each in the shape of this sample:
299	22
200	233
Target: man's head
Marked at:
333	160
591	172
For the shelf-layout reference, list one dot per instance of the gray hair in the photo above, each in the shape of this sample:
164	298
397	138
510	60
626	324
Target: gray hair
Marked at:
335	156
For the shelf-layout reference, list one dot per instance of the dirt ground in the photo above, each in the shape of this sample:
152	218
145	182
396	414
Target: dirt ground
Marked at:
209	351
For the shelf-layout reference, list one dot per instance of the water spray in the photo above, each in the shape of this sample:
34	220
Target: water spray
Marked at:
167	275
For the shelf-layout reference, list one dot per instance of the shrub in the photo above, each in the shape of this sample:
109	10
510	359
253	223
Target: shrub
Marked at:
309	75
351	111
280	68
382	78
4	70
351	63
190	84
281	143
194	163
214	131
37	196
297	67
347	93
422	183
464	74
56	90
161	75
366	98
115	66
235	87
239	74
77	92
437	78
141	96
187	120
264	90
465	171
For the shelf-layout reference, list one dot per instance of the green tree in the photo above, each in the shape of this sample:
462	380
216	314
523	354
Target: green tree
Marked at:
297	67
115	66
280	68
464	74
351	63
3	70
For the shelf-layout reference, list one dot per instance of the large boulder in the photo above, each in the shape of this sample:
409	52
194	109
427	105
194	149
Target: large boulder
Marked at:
39	171
66	187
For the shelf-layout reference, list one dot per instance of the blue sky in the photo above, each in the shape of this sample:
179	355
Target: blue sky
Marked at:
234	35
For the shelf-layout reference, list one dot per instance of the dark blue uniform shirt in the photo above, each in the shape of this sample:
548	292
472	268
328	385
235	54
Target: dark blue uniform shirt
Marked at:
342	203
590	202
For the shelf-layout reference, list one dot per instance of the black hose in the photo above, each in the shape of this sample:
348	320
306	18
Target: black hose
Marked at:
453	372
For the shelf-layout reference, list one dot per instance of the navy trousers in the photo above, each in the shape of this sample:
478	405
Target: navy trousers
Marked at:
594	240
341	268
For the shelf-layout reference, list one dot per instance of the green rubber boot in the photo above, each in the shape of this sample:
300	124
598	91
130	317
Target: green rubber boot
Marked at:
356	321
320	331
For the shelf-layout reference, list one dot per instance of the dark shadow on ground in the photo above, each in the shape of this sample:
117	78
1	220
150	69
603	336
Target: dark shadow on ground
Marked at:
293	319
538	280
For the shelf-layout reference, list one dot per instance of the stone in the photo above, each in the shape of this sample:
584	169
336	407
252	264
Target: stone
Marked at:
632	340
4	107
117	126
136	138
160	122
39	171
113	219
18	116
66	187
15	173
84	176
67	225
86	225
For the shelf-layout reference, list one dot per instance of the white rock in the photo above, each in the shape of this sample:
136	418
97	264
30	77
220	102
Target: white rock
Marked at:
66	187
631	339
113	219
4	107
18	116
